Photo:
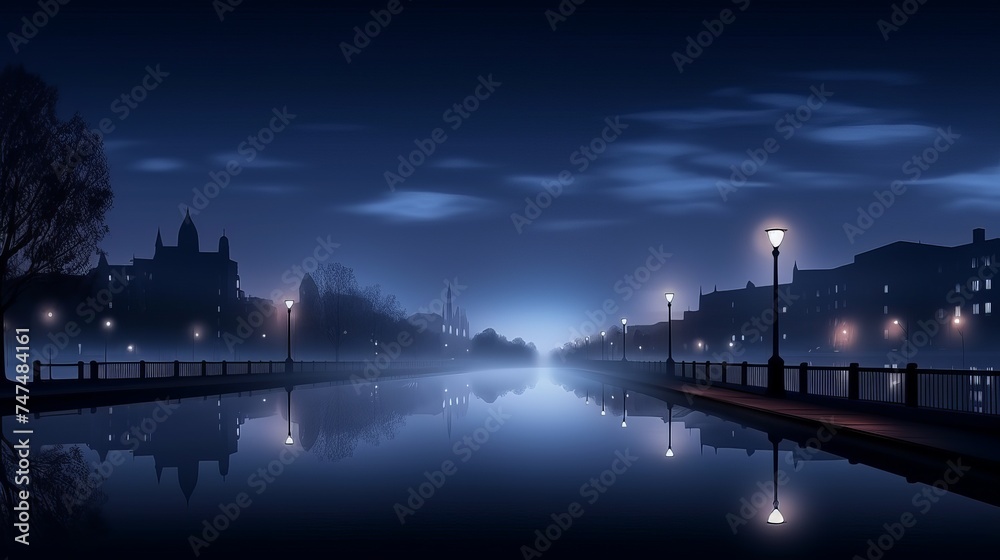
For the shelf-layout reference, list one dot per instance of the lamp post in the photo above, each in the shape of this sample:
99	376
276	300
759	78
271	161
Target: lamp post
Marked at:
107	335
961	334
775	365
602	344
623	338
775	518
670	333
906	334
288	360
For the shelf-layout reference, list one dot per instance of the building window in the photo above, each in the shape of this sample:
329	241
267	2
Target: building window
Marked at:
817	291
734	338
743	337
885	334
987	259
109	277
958	288
784	309
973	262
988	308
975	285
885	309
989	283
958	310
975	309
836	289
218	309
784	336
885	289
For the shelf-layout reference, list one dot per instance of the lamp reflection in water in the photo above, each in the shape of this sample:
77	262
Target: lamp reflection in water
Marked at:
602	399
670	431
624	408
775	518
288	440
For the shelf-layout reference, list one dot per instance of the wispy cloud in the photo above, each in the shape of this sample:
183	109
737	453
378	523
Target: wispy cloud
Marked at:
867	135
420	206
158	165
460	163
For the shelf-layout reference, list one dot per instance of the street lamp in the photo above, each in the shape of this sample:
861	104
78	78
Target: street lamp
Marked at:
961	334
906	334
602	344
107	335
288	360
670	333
623	338
587	351
775	365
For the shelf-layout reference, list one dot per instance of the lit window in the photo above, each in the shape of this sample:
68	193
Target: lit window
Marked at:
958	311
987	261
784	309
975	285
988	308
975	309
836	289
743	337
885	289
734	338
989	283
973	262
109	277
958	288
218	309
784	336
885	309
237	283
817	293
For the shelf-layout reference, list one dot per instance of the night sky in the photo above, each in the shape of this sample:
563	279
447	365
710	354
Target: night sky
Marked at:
837	103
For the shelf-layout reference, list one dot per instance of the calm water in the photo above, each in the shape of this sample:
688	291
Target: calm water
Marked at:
472	466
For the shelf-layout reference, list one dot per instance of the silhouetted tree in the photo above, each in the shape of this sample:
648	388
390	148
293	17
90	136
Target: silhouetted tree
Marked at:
54	187
491	345
337	285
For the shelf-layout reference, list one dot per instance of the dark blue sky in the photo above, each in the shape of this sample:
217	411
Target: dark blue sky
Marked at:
888	94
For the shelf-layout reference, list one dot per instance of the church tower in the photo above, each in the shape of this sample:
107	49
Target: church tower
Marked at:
187	236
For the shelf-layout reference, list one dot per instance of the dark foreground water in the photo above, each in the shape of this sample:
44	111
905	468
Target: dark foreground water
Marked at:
503	464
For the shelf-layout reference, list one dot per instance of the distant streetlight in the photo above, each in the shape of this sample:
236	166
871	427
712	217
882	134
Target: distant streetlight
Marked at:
961	334
587	351
906	334
602	344
623	338
288	360
775	365
670	333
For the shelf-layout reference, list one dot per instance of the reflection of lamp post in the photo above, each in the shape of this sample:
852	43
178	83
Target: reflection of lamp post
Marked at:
670	333
611	349
602	399
602	344
775	518
624	408
288	360
623	339
670	431
961	334
587	351
775	365
288	440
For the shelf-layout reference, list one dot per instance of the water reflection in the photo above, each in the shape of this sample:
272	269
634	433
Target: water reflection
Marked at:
363	445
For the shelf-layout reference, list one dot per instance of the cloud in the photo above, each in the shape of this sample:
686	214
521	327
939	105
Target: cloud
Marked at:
980	182
868	135
460	163
257	162
158	165
689	119
420	206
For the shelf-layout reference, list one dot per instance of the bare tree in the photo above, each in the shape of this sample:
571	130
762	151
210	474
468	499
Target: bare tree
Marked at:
54	187
337	286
